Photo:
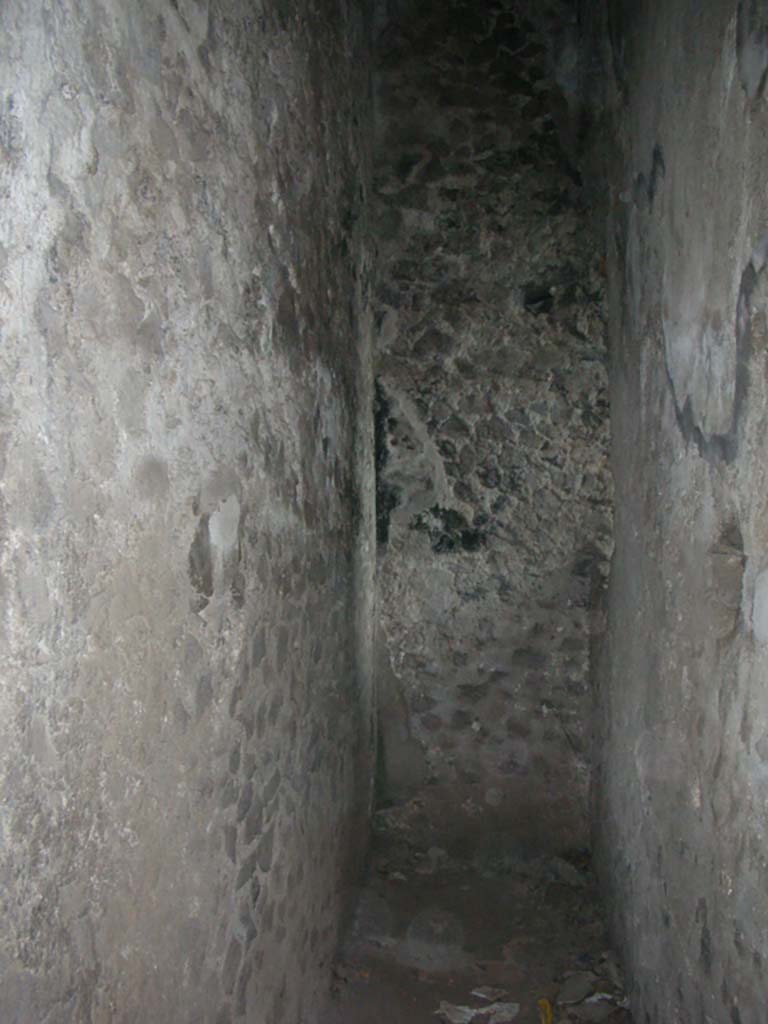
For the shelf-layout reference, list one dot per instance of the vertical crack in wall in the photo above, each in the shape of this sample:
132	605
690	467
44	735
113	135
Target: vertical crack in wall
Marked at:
386	493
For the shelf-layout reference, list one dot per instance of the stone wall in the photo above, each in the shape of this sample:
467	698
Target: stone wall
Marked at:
682	791
186	538
493	491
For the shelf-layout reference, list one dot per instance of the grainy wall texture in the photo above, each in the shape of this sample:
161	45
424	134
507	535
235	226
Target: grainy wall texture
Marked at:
185	515
681	800
493	492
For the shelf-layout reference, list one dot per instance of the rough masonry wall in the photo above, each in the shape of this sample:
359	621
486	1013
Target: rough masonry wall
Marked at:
184	550
493	495
681	800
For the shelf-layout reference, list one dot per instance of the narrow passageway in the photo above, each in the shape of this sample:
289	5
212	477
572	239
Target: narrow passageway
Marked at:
494	528
335	649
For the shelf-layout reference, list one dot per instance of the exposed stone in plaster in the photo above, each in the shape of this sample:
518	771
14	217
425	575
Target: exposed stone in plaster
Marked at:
490	366
187	511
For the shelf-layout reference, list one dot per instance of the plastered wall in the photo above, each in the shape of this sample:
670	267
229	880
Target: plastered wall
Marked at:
683	718
186	511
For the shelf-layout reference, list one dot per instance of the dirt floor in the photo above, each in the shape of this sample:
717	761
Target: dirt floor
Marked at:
490	941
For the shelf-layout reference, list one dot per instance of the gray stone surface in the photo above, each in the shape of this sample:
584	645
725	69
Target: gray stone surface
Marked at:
186	493
493	493
680	804
186	515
